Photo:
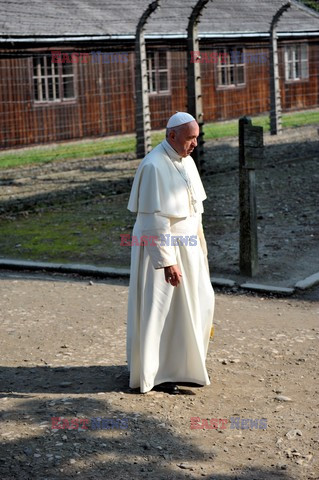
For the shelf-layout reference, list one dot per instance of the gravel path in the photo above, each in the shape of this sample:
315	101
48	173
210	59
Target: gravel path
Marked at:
62	343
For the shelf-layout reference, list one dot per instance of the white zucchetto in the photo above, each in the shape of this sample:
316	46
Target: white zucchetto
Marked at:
179	118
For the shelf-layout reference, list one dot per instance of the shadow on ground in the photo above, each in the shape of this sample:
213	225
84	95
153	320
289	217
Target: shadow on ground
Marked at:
145	449
63	379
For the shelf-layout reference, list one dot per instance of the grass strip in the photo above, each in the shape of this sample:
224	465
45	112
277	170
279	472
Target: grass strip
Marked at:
126	143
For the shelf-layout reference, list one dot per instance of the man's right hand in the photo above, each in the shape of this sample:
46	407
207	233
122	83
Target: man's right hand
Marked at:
173	275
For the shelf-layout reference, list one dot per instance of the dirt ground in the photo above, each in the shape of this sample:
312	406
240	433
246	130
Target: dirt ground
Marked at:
85	193
62	343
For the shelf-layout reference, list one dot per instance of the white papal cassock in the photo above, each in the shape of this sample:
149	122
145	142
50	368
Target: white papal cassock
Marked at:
168	328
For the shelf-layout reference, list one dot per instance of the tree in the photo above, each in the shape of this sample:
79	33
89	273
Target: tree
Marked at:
314	4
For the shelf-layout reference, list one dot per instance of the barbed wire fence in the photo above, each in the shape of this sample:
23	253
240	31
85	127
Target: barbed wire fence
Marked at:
98	99
27	118
60	93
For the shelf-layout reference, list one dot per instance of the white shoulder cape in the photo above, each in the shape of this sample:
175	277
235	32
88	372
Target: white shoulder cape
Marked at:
159	187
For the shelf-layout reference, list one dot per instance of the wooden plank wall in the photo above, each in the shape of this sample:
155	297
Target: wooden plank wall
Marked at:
224	103
230	103
104	104
162	106
22	122
218	103
105	97
303	93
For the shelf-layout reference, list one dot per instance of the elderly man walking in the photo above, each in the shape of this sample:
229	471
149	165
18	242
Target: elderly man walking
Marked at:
171	299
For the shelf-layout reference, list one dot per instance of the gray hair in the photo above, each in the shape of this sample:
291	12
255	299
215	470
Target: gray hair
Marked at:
173	129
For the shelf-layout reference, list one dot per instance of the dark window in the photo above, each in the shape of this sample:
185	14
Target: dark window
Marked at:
52	82
296	62
230	67
158	72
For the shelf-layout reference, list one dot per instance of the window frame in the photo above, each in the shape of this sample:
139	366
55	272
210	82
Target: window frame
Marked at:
219	66
157	71
58	84
294	47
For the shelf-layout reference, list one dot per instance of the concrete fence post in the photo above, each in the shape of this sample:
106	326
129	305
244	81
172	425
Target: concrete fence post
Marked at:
142	109
194	83
274	86
250	154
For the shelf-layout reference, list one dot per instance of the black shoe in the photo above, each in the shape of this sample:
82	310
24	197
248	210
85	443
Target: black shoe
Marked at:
167	387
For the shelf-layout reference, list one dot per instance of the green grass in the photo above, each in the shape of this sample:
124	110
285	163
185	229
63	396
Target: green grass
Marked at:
299	119
126	143
72	150
80	232
230	129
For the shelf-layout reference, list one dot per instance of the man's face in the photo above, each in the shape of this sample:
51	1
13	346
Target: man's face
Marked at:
184	138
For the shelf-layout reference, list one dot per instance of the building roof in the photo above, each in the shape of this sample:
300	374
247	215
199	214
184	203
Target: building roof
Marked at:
118	19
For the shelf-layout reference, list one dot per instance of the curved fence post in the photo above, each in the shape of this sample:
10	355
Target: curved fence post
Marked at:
142	109
275	98
194	87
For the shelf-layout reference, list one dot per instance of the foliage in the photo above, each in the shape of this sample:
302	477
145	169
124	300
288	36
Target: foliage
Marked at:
314	4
